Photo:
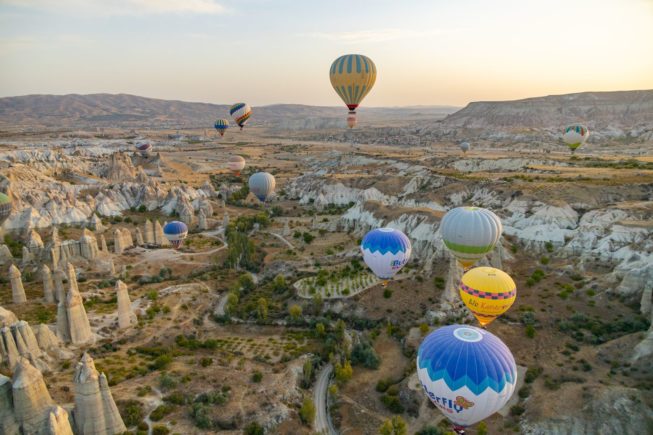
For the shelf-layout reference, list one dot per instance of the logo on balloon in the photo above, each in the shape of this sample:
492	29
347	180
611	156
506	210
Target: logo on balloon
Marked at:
396	264
448	405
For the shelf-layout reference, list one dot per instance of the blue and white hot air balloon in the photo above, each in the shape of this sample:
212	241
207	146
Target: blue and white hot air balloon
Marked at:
262	185
467	372
385	251
175	232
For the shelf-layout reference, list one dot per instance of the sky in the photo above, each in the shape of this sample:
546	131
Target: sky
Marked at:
427	52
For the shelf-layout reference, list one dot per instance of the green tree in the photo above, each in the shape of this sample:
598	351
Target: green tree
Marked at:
320	330
246	282
307	411
295	311
481	428
254	429
307	373
232	302
344	372
279	284
318	302
394	426
240	253
262	308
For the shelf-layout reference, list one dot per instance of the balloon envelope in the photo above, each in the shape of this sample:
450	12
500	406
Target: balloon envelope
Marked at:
467	372
236	164
352	76
262	184
175	232
241	113
487	292
575	135
386	251
464	147
470	232
145	149
5	207
221	125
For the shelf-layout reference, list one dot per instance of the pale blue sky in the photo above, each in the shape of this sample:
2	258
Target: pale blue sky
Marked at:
265	51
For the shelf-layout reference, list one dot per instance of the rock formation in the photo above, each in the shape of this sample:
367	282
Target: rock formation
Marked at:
95	223
88	245
148	235
58	422
32	401
159	238
186	215
59	291
7	318
122	240
103	243
8	423
139	237
126	316
17	290
34	241
286	229
72	322
112	268
95	410
48	285
225	220
5	255
202	223
46	339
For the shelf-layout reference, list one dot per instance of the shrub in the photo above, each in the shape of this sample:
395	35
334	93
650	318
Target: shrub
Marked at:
132	412
254	429
532	373
206	361
549	247
199	413
364	354
160	429
544	260
307	411
530	331
524	392
257	377
160	412
393	404
517	410
387	293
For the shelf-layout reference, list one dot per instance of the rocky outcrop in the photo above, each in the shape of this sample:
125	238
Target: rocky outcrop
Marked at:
48	285
32	401
103	244
88	245
95	223
58	422
62	252
122	240
139	237
47	340
225	220
8	423
59	290
7	318
34	242
159	238
202	223
72	322
148	233
119	168
126	316
5	255
95	410
17	290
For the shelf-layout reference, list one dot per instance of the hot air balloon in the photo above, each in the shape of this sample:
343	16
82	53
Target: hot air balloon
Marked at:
352	76
175	232
464	147
221	125
385	251
470	232
236	164
351	120
144	148
467	372
575	135
262	185
5	207
487	292
241	113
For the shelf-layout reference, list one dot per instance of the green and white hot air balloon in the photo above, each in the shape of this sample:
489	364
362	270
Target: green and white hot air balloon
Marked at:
470	233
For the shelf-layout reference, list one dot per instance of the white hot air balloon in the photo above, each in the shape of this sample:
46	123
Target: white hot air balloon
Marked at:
385	251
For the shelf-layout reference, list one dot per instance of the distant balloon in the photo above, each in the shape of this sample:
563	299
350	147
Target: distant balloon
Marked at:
351	120
236	164
575	136
221	125
487	292
262	185
470	233
352	76
175	232
5	207
467	372
385	251
144	148
464	147
241	113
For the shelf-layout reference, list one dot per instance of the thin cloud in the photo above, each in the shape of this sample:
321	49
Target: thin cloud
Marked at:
122	7
363	36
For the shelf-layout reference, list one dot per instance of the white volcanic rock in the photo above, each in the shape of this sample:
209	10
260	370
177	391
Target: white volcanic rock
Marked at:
103	244
32	401
46	339
126	316
202	223
95	223
148	232
58	422
48	284
34	242
17	290
119	168
507	164
72	322
95	410
8	351
7	318
5	255
139	237
8	423
59	290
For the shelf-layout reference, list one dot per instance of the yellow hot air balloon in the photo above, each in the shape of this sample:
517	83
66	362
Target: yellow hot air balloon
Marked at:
352	76
487	292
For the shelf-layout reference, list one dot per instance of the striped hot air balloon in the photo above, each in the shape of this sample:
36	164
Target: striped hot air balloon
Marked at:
221	125
487	292
386	251
241	113
175	232
470	233
262	185
5	207
236	164
575	136
352	76
467	372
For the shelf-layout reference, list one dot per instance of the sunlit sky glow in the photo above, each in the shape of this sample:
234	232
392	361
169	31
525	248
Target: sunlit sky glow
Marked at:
279	51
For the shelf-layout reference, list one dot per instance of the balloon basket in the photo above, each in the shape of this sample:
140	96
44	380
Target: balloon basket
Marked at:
460	430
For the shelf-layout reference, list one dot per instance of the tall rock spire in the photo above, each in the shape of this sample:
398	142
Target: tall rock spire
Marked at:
126	316
32	400
79	327
8	423
95	411
48	285
17	290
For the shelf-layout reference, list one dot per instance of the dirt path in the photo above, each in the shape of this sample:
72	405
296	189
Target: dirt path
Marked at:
322	423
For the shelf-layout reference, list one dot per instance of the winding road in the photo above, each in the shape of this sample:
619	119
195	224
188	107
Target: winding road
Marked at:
322	423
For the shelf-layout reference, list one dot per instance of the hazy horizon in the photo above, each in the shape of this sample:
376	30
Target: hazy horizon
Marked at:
428	53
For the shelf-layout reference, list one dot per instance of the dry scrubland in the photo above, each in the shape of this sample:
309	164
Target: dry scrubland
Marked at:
220	349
